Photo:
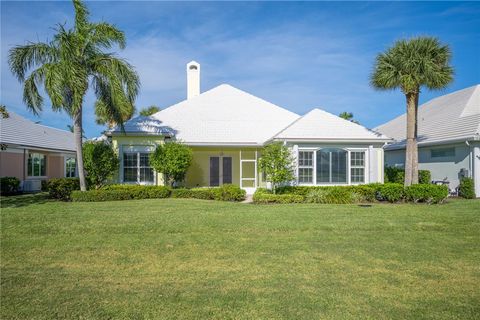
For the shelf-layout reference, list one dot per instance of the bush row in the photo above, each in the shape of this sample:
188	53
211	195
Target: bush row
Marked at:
9	186
391	192
397	175
129	192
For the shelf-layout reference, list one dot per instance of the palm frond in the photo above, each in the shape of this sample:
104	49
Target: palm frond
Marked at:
22	58
106	35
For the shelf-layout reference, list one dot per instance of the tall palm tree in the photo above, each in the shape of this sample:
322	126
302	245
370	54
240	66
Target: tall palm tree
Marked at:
69	65
347	116
103	117
409	66
149	111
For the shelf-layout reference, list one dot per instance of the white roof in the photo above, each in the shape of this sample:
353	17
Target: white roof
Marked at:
223	115
17	130
448	118
319	125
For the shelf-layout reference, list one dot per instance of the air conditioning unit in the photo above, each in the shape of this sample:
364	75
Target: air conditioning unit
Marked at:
32	185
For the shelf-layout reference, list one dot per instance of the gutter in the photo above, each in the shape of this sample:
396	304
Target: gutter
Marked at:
433	143
330	140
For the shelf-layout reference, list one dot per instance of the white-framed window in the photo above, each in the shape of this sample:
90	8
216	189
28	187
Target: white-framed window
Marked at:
442	152
70	167
357	166
37	165
332	166
137	169
305	167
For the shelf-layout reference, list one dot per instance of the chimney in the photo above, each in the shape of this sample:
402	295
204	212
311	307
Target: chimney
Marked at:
193	79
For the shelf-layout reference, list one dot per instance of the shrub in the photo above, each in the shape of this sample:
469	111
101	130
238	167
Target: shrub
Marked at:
141	192
9	185
173	160
391	192
334	194
100	163
466	189
428	193
397	175
366	192
44	185
262	196
100	195
61	188
195	193
230	192
276	162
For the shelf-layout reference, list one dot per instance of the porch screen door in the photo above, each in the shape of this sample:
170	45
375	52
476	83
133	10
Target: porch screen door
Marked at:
220	174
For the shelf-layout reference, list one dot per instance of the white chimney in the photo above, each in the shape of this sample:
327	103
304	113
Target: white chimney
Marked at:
193	79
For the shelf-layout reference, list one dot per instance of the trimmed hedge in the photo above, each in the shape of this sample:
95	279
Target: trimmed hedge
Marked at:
466	189
61	188
428	193
226	192
9	186
397	175
391	192
130	192
264	196
141	192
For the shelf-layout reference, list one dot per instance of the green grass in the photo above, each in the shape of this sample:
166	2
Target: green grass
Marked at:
194	259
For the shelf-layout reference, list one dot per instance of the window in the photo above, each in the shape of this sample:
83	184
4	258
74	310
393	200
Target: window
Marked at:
332	166
70	168
357	167
442	152
37	164
305	167
137	169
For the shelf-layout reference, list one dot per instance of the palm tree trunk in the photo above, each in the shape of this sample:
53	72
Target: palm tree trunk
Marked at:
410	138
415	145
77	134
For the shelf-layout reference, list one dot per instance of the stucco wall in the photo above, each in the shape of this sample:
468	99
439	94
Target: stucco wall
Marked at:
440	168
55	166
11	164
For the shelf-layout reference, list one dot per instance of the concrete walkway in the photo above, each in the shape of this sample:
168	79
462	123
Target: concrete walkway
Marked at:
248	199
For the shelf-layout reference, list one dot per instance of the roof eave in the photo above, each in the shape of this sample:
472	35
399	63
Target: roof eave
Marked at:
400	146
329	140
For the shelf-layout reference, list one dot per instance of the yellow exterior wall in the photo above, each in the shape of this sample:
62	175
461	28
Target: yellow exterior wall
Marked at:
198	174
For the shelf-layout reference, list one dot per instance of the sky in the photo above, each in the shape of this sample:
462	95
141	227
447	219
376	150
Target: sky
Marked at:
298	55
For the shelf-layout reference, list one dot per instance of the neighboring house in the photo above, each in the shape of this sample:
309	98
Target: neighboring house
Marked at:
227	129
32	152
448	137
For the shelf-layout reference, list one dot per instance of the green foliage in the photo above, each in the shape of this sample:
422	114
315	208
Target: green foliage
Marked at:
100	162
428	193
44	185
226	192
397	175
410	64
3	112
230	192
9	185
466	188
149	111
141	192
61	188
173	160
391	192
263	196
100	195
276	162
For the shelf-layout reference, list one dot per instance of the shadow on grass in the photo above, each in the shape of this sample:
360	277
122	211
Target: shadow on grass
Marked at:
24	200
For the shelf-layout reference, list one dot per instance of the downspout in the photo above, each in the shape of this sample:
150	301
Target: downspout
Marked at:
470	159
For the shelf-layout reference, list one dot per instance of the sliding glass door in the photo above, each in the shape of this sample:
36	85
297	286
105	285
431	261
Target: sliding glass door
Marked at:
220	170
332	166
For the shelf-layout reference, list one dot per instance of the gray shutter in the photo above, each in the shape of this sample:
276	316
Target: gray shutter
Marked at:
214	171
227	169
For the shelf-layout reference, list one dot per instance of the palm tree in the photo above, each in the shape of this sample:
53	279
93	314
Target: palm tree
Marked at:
149	111
410	65
347	116
103	117
69	65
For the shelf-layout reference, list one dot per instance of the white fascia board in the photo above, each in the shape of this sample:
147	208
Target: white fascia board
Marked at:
223	144
402	145
35	148
329	140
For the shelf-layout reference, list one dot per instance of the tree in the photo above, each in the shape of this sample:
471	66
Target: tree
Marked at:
71	63
173	160
3	112
149	111
347	116
100	162
410	65
277	164
102	116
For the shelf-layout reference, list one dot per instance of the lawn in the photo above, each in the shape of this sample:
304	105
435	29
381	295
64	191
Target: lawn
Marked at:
194	259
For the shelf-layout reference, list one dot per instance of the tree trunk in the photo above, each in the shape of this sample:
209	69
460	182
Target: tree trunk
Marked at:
410	138
77	133
415	145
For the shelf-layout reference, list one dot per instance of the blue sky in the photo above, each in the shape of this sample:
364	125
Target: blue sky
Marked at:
298	55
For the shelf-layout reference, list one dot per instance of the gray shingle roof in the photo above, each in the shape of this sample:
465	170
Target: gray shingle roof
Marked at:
448	118
17	130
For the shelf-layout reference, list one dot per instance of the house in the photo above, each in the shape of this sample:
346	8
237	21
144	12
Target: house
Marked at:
227	129
32	152
448	137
